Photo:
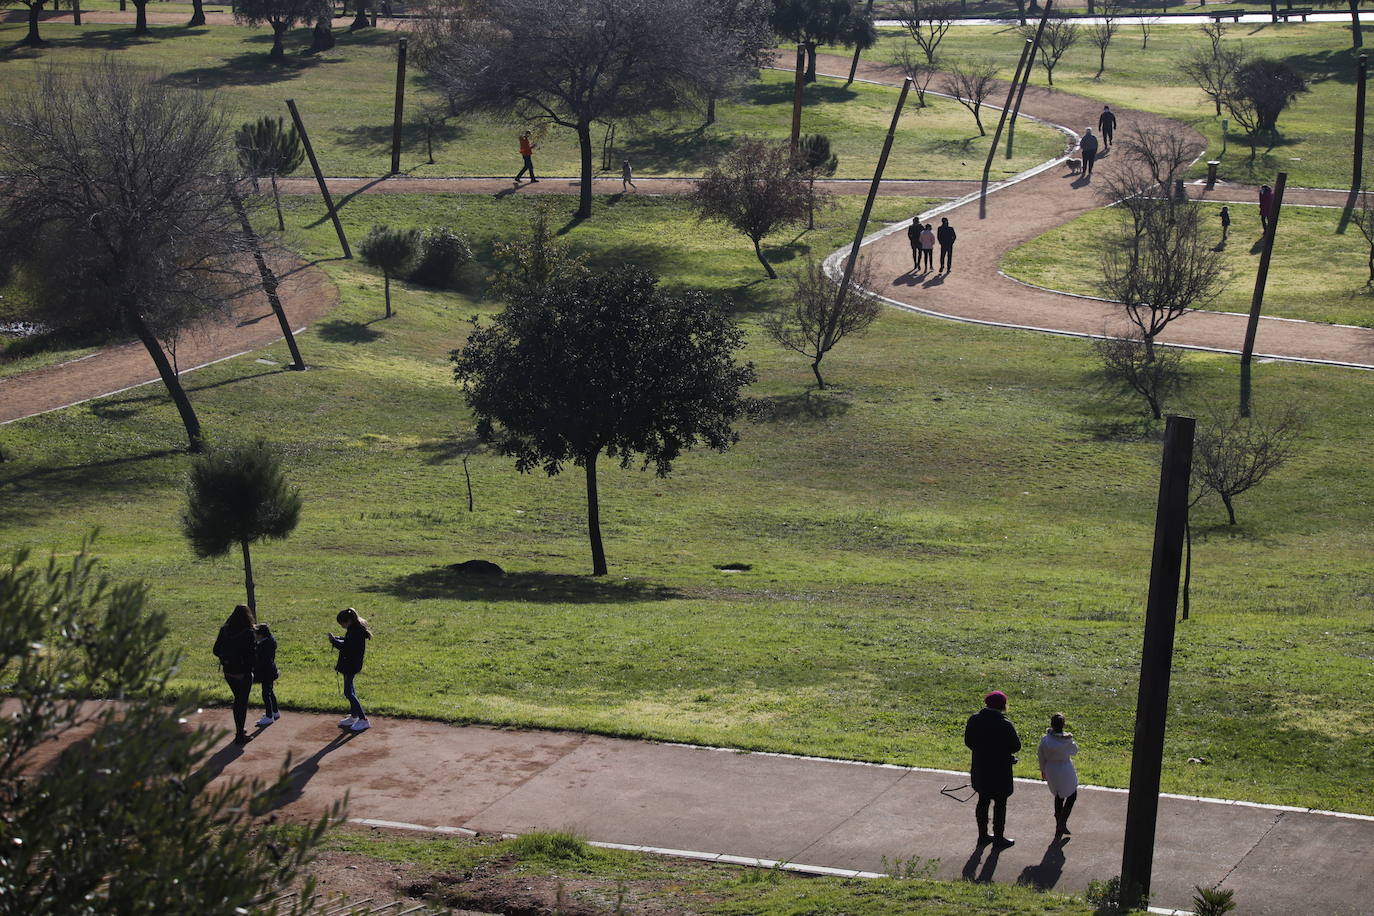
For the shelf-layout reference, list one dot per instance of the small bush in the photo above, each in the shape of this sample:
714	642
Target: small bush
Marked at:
1105	898
1213	901
443	253
558	846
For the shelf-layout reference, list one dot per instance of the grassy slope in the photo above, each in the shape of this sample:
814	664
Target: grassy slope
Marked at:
1316	130
345	98
1315	273
956	516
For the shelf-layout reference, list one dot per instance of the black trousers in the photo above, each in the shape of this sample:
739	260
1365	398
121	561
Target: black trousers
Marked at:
1088	162
1062	807
947	256
240	685
999	814
528	167
269	697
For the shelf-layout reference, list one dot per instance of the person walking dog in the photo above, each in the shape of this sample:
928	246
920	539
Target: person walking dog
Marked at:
236	649
1106	126
946	236
1087	148
992	738
265	673
527	147
352	647
1056	768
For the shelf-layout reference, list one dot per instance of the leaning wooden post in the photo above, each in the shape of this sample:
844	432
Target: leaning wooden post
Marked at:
1156	662
1011	93
1357	172
1248	351
1027	50
868	209
854	64
797	98
265	273
319	176
1025	78
400	107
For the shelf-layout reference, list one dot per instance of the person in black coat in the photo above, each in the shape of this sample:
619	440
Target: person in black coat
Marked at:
1106	125
913	235
1087	148
945	235
236	649
265	673
352	646
994	742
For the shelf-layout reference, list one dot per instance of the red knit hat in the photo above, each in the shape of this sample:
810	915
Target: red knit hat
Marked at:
997	700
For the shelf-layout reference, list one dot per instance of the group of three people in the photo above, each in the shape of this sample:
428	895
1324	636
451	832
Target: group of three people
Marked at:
247	652
992	738
923	239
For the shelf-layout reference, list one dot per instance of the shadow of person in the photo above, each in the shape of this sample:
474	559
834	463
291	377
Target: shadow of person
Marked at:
936	280
970	869
1082	182
906	279
218	761
1046	874
1258	246
303	772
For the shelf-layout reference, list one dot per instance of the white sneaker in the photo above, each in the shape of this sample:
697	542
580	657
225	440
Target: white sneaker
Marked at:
360	725
266	720
347	722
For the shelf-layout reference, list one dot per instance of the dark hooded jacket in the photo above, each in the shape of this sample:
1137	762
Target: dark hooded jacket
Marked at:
351	648
993	740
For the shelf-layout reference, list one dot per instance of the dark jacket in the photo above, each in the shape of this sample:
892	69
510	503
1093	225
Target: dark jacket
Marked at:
351	648
993	740
236	650
913	234
946	235
265	668
1106	122
1088	145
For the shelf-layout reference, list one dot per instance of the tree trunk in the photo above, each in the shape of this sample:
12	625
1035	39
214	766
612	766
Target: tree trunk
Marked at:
278	52
269	281
276	199
977	119
710	110
811	199
594	520
322	37
810	63
584	142
1187	567
816	369
169	378
141	17
1230	509
772	274
360	20
33	39
1356	38
197	14
248	578
386	282
1101	61
1020	12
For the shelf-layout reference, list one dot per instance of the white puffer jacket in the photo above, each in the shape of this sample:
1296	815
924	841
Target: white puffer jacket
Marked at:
1056	762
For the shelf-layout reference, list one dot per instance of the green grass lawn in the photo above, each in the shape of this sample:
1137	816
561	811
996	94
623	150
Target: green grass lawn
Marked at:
1316	273
1316	131
346	98
963	511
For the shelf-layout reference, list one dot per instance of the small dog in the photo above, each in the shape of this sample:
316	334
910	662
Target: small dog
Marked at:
1075	165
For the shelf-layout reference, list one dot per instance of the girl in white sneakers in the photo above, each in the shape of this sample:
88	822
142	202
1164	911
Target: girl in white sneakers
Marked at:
352	647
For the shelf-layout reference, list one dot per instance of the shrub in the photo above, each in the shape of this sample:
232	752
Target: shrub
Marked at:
442	254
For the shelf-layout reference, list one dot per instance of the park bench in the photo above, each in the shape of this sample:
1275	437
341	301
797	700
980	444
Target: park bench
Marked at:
1302	12
1232	14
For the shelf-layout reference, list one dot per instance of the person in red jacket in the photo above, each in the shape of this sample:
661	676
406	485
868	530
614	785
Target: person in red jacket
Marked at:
526	151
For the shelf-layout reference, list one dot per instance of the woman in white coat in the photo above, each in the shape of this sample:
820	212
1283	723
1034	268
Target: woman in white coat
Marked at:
1056	768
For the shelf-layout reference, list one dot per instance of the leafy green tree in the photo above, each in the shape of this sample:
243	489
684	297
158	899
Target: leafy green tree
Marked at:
268	147
280	15
391	251
812	23
816	160
237	496
1259	91
581	364
124	820
757	189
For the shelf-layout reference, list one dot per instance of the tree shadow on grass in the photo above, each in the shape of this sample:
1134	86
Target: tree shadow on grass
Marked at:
780	93
112	38
671	151
378	136
449	448
252	68
119	408
530	587
807	406
48	489
337	330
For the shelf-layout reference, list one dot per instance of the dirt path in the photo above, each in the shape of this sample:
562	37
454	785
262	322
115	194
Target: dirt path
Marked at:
306	292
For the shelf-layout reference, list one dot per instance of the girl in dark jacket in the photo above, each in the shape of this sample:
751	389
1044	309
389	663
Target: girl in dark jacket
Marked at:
236	649
352	647
265	673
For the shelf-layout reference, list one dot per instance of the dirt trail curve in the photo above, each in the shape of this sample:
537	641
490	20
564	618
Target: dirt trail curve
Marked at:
976	291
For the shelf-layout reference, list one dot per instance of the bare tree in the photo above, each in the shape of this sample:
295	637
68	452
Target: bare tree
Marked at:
1363	217
1059	35
919	71
1146	23
1213	71
1233	454
1161	153
971	83
740	31
755	188
1101	33
113	203
813	322
1214	32
927	21
1128	365
571	63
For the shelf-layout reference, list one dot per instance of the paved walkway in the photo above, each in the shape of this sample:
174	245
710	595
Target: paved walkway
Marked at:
822	816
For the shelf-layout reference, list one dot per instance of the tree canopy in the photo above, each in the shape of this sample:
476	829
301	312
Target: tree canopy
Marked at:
811	23
757	188
281	15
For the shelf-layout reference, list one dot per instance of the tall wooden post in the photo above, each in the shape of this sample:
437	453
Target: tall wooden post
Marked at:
868	209
1156	661
1025	78
1011	96
400	106
854	64
1357	173
319	177
797	98
1252	328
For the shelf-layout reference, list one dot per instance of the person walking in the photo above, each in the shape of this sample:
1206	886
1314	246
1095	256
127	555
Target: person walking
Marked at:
928	247
265	673
1225	223
1087	148
627	178
946	236
527	147
913	235
992	738
1056	768
1266	206
352	647
236	649
1106	126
